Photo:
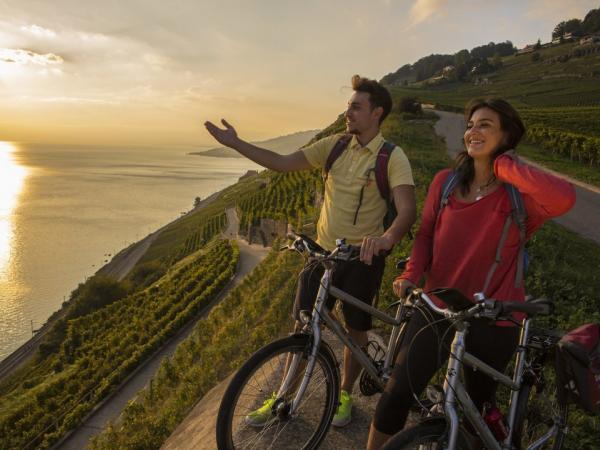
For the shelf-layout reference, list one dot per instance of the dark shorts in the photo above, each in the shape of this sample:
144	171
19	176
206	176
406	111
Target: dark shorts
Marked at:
354	277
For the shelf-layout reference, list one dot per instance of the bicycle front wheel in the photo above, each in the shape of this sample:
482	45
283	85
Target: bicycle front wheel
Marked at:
537	414
429	435
259	382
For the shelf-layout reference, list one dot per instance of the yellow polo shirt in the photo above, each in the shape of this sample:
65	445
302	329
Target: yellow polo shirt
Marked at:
354	169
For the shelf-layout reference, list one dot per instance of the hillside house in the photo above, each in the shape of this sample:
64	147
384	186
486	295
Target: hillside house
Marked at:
566	37
248	174
267	231
527	49
448	70
587	40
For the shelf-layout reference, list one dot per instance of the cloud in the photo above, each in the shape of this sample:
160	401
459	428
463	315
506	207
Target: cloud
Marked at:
424	9
558	10
25	57
39	31
71	100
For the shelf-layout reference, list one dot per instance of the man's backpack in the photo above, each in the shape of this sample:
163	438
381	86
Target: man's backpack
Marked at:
578	366
381	175
518	216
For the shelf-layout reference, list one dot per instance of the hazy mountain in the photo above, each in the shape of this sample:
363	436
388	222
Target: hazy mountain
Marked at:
282	144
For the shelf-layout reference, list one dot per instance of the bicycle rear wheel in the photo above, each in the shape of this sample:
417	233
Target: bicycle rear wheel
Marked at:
428	435
259	378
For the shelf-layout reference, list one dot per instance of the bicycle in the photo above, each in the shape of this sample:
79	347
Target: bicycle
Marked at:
301	371
526	427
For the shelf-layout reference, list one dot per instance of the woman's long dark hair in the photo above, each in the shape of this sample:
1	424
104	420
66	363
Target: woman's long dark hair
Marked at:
510	123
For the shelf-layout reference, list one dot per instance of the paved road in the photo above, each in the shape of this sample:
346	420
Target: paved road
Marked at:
584	218
250	256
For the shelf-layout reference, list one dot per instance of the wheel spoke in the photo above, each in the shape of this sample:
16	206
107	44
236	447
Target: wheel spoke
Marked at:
264	376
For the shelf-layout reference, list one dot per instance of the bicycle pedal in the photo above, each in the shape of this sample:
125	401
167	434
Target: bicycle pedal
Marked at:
368	386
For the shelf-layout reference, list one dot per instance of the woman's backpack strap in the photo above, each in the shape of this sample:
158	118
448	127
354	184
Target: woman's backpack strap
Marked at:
449	185
519	216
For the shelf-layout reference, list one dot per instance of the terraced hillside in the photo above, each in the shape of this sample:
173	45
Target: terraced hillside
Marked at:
562	268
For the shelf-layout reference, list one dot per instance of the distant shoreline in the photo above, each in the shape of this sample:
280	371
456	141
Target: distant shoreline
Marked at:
283	144
217	153
119	266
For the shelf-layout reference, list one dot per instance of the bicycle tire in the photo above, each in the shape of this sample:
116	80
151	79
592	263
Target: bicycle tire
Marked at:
260	376
428	435
533	417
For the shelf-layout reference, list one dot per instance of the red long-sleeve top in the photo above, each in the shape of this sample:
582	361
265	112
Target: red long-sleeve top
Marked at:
458	250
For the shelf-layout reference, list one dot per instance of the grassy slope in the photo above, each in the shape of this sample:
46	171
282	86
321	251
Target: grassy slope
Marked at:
559	95
585	173
563	267
526	83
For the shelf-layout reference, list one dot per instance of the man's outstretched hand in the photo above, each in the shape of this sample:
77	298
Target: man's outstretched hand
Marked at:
227	137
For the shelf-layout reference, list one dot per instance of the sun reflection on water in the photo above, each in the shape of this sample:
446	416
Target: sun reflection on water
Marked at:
12	177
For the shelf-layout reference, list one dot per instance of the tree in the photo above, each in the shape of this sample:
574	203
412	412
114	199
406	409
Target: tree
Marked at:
197	202
409	105
462	57
591	22
497	61
570	26
98	292
538	45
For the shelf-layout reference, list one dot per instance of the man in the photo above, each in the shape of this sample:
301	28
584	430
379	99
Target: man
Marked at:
353	209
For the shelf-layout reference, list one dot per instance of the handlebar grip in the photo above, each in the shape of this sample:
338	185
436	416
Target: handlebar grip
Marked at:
537	307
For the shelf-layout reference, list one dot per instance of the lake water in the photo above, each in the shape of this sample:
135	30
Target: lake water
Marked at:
64	211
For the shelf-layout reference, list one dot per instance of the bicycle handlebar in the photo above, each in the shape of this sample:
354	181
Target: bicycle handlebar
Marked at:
303	244
539	306
486	308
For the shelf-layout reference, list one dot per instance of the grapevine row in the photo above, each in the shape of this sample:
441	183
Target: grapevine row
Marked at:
582	148
285	197
103	347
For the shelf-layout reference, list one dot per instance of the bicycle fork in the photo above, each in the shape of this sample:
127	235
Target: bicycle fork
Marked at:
314	348
453	389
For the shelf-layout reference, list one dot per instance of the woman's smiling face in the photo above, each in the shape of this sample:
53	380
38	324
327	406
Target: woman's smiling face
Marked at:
484	133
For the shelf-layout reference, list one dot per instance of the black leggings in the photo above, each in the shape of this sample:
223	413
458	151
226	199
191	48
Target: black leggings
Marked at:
422	353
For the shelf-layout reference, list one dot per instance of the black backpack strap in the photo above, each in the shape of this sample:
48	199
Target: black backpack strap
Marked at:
334	154
381	169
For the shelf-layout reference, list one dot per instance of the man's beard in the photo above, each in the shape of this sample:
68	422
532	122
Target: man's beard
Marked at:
350	130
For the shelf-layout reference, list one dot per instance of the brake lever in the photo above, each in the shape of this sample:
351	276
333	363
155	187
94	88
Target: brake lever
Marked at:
490	309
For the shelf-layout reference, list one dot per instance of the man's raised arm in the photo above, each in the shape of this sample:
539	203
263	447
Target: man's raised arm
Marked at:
266	158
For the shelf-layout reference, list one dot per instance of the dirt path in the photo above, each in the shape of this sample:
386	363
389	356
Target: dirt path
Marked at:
110	408
197	431
584	218
233	224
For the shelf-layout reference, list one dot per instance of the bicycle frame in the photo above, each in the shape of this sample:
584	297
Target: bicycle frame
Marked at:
455	391
320	312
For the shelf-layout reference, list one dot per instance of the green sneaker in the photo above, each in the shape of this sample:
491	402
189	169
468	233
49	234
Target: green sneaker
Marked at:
343	415
259	417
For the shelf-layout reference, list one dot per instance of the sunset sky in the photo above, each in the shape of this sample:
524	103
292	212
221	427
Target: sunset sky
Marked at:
150	72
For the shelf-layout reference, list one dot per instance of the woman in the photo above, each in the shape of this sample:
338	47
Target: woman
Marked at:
456	247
